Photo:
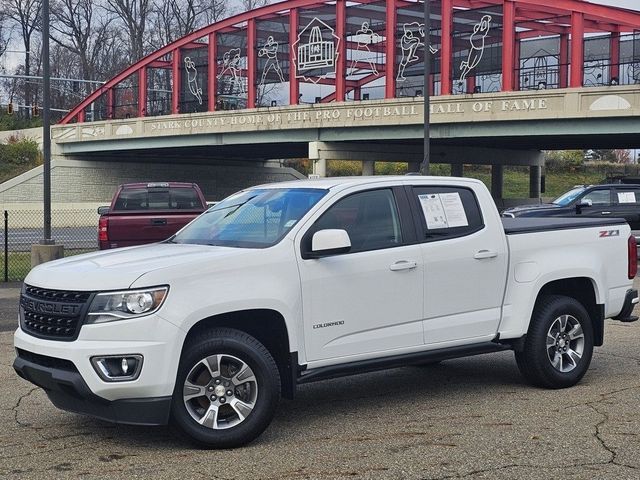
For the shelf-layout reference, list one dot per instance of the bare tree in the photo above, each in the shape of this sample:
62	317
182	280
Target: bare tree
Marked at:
247	5
26	15
173	19
215	10
134	15
5	32
623	156
112	58
78	28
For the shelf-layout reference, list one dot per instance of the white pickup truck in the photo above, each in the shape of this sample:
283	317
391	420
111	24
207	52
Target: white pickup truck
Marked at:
290	283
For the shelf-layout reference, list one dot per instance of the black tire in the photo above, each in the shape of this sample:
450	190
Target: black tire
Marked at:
534	360
238	345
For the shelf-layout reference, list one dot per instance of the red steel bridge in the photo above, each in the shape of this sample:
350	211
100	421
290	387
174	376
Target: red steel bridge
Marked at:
313	51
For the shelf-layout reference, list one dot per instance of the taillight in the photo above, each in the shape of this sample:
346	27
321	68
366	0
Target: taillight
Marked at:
633	257
103	227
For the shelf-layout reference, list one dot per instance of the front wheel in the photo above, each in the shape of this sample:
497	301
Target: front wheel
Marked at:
559	344
227	389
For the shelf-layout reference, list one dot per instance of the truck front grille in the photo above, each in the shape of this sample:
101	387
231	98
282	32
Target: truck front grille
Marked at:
53	314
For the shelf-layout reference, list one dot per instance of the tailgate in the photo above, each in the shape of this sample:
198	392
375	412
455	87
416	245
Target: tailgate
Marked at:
126	229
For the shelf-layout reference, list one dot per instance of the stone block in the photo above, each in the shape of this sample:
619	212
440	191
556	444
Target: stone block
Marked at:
45	253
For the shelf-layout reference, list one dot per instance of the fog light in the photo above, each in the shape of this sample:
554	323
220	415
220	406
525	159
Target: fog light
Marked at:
117	368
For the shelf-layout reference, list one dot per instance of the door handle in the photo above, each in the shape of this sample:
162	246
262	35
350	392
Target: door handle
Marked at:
482	254
403	265
606	213
158	221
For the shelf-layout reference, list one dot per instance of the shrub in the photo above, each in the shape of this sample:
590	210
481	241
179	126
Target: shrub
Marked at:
563	160
391	168
343	168
17	156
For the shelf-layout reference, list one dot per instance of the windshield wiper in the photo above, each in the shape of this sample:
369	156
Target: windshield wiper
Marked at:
238	206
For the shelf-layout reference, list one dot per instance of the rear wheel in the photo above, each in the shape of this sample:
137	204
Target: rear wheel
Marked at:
559	344
227	389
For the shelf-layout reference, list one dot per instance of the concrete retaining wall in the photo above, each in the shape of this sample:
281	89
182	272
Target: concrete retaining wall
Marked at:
76	181
32	133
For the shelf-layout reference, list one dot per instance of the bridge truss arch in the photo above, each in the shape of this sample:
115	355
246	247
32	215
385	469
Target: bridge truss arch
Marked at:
318	51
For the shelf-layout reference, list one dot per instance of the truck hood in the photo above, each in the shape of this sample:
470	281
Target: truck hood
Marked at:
119	268
530	208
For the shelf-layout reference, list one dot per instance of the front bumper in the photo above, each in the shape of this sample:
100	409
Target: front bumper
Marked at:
64	369
67	390
630	301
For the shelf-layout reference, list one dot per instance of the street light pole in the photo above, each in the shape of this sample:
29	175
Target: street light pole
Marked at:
46	122
46	250
424	166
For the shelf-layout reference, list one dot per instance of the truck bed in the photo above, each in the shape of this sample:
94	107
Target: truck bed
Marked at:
518	225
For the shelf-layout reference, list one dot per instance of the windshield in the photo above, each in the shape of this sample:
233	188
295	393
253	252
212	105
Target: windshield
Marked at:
570	196
251	219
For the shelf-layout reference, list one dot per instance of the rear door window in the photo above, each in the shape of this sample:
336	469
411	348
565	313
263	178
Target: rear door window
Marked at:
446	212
627	196
173	198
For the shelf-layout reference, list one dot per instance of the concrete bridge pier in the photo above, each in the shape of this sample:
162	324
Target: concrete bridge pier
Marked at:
320	167
368	168
457	157
535	181
457	169
413	167
497	181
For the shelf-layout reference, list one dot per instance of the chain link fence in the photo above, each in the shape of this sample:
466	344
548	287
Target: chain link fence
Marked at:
76	230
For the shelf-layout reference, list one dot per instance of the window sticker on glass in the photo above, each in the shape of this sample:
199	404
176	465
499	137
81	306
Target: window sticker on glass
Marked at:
626	197
433	211
454	210
443	210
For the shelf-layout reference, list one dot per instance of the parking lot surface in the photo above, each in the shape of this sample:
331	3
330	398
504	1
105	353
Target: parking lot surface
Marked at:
467	418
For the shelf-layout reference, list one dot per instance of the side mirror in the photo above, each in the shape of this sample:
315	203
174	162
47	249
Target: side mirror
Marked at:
103	210
329	242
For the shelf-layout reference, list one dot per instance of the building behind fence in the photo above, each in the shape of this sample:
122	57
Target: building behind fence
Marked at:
76	230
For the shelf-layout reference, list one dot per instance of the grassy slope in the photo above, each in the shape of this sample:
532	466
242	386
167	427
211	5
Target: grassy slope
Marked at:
516	182
516	179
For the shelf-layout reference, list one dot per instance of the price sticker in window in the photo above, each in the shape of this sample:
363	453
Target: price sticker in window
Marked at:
443	210
626	197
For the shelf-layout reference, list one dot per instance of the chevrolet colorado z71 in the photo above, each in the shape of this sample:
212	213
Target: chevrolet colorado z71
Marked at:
290	283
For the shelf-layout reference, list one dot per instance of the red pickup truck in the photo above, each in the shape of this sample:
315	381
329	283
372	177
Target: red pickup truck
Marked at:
148	212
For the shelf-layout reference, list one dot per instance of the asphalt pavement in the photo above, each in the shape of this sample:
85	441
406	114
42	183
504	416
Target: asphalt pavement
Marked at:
468	418
9	294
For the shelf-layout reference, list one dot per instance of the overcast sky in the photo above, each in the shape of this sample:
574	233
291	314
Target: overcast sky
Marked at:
632	4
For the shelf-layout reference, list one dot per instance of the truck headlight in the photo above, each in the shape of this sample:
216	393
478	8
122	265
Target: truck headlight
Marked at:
110	306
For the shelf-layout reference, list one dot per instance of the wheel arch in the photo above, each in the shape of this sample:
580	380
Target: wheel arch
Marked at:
265	325
584	290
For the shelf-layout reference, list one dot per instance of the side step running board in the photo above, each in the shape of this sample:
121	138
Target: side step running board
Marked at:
363	366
